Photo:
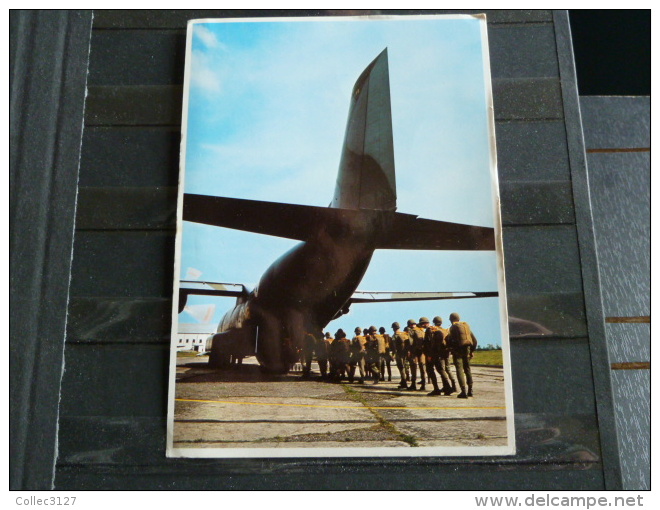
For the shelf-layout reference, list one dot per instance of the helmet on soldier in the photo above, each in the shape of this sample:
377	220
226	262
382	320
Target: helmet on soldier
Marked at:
373	329
381	330
454	317
423	320
396	325
411	322
437	320
358	330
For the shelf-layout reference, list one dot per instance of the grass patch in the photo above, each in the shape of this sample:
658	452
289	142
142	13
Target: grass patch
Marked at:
487	357
186	354
389	427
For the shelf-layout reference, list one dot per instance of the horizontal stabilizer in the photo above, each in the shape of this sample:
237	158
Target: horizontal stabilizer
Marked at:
392	230
208	289
409	232
271	218
382	297
212	289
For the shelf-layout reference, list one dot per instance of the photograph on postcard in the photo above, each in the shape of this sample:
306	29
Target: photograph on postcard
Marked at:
339	274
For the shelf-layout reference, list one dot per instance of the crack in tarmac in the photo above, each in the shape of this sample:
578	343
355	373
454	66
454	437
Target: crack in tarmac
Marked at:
358	397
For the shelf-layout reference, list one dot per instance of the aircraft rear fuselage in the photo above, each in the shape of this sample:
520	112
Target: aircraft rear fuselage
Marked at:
303	290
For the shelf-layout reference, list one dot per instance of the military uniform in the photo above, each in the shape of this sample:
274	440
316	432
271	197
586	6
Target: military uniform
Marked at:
357	357
462	343
307	353
386	356
417	358
374	344
399	341
436	352
323	354
340	356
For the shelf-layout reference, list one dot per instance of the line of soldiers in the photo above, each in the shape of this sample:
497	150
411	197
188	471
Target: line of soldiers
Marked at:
419	347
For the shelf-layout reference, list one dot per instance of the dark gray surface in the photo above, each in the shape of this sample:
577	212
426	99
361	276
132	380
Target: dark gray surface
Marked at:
629	342
588	255
620	188
117	320
119	273
162	19
527	99
532	151
48	64
536	58
331	475
130	156
632	397
616	122
621	199
123	264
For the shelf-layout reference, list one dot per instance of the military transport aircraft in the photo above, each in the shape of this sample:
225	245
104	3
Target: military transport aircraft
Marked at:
316	281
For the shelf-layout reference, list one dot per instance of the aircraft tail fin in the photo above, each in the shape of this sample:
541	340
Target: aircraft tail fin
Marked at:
366	177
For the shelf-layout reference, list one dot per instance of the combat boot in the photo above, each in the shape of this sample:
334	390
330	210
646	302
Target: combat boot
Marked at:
435	393
411	387
422	387
462	394
448	391
403	385
469	393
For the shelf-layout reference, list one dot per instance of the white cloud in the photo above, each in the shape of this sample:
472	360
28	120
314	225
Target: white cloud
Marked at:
208	38
203	75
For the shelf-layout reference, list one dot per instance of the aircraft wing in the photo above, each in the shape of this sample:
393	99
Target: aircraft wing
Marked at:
382	297
187	287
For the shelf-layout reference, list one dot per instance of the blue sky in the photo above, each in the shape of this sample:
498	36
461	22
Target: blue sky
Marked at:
268	103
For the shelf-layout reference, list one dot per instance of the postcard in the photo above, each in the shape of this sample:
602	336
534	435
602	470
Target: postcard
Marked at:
339	275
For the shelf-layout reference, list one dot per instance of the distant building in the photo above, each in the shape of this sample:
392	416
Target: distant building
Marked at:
194	337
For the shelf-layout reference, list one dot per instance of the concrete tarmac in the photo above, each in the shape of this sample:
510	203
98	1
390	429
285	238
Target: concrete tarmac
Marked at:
243	408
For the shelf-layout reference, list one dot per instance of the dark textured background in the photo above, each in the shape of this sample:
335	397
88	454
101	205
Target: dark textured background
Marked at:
113	394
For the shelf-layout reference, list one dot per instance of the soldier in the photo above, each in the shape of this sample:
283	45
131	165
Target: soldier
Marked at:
416	356
307	353
367	367
386	355
375	343
357	355
340	356
462	343
445	364
323	353
399	342
435	347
